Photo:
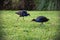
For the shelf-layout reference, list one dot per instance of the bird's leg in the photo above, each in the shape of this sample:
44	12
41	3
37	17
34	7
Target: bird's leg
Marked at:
17	18
16	21
41	23
23	18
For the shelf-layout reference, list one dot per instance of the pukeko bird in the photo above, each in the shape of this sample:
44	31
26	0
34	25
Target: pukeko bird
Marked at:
22	13
41	19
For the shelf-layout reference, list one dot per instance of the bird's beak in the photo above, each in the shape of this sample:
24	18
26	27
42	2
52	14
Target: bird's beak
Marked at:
48	19
29	14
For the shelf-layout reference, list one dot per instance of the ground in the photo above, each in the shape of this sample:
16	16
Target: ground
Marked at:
11	29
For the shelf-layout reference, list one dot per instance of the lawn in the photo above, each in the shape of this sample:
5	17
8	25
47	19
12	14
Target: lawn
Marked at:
11	29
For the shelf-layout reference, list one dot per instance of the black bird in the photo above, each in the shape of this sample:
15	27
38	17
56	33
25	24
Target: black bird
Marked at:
22	13
40	19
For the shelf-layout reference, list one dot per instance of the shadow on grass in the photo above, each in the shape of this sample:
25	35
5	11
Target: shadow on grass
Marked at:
1	27
57	34
30	38
1	32
58	29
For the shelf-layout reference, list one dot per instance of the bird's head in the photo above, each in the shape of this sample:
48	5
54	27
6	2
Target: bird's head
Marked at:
33	20
29	14
47	19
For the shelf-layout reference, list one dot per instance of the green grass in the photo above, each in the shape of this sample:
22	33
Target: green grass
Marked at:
28	30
